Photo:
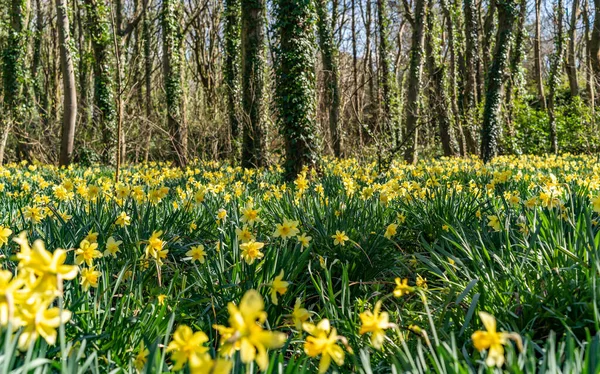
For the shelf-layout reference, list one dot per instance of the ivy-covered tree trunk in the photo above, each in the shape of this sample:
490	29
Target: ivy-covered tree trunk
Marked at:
147	36
329	57
172	43
254	152
554	77
295	77
490	132
438	97
386	77
472	63
411	130
69	93
13	70
537	53
104	102
572	58
231	70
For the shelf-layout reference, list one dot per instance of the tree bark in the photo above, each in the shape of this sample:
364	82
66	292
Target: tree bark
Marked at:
490	133
329	57
231	70
172	44
295	88
571	58
472	62
554	79
537	60
69	92
411	134
253	61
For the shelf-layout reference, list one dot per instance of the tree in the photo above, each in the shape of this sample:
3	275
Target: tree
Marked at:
386	77
537	51
231	69
253	45
13	70
554	79
472	63
104	108
295	83
490	132
330	72
413	91
69	92
571	58
438	96
172	44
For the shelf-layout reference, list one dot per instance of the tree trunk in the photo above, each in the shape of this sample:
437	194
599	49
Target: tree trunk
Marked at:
69	93
595	42
295	88
490	133
571	58
472	62
231	70
13	69
104	108
172	44
386	77
537	60
554	79
438	96
147	35
253	65
589	73
331	75
458	130
514	77
411	134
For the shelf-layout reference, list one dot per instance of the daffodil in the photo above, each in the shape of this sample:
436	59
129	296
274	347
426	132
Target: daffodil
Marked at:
278	286
141	358
287	229
87	252
390	231
340	238
299	315
494	223
376	323
197	253
402	287
251	251
492	340
5	233
323	341
185	345
245	332
123	220
37	321
112	247
304	240
89	278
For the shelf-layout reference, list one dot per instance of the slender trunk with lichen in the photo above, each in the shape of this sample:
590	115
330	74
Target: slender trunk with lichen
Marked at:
572	58
554	77
472	63
331	74
438	97
254	152
69	93
411	130
231	71
490	132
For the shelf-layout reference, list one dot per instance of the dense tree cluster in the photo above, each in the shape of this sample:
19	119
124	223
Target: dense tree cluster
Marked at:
261	81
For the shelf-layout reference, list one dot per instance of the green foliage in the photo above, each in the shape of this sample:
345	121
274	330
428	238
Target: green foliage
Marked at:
573	126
